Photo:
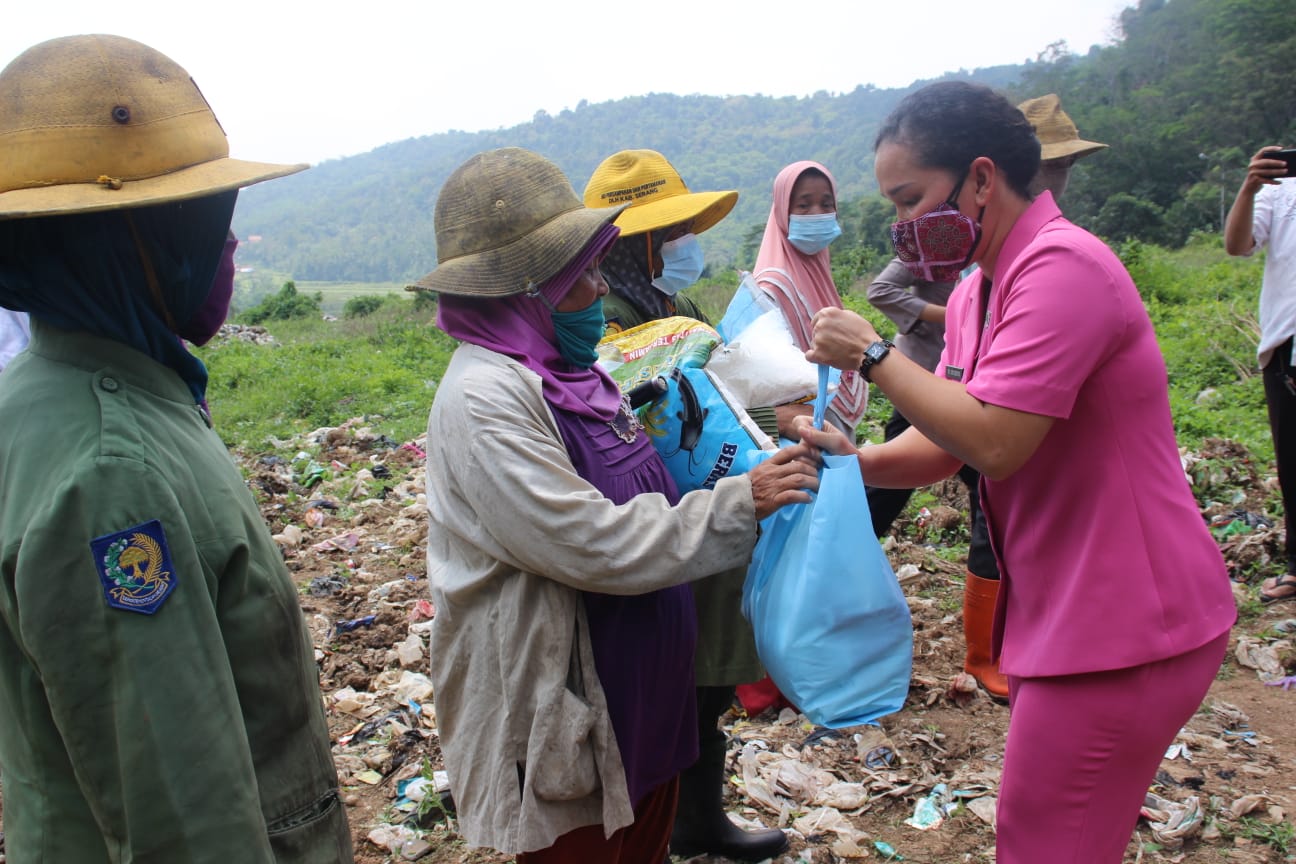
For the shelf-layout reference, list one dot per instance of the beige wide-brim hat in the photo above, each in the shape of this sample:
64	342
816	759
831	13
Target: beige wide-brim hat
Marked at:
654	193
102	122
1057	134
507	220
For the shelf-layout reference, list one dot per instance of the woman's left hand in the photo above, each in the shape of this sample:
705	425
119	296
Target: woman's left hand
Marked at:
784	478
840	337
829	439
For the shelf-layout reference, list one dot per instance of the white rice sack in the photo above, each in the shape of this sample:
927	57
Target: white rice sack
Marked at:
764	366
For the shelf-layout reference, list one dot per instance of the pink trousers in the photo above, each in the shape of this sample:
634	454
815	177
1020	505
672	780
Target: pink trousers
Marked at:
1082	751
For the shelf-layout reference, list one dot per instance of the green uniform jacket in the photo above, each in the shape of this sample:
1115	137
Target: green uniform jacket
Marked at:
726	648
193	734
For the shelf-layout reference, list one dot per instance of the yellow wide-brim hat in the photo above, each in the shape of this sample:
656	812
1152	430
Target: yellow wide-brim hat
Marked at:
1056	132
505	221
102	122
653	193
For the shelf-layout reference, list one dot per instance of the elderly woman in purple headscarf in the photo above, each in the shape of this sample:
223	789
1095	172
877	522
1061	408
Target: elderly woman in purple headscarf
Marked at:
559	549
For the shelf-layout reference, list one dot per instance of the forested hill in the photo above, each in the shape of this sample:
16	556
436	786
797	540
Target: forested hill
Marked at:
1189	91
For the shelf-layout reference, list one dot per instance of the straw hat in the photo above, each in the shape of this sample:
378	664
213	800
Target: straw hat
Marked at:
655	193
1057	134
103	123
505	220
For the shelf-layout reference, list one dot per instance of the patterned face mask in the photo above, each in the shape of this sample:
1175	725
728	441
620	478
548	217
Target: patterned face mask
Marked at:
937	245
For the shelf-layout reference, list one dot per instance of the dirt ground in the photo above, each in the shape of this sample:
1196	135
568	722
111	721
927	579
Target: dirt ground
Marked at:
348	513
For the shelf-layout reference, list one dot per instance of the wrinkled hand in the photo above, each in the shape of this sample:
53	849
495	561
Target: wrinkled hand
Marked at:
784	478
830	439
787	414
840	337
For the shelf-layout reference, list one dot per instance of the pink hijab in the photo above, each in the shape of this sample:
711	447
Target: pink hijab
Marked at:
802	284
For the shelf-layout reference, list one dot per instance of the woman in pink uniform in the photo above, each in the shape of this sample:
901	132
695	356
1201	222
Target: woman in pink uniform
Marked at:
1115	606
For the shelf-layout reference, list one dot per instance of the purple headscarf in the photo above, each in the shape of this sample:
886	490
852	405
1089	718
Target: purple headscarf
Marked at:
519	326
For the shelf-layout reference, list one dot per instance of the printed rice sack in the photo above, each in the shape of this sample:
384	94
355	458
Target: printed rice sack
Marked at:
696	425
700	431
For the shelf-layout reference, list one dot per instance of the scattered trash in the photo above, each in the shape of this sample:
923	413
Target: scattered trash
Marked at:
355	624
400	840
1261	656
907	573
986	809
325	586
343	542
887	851
963	690
307	472
1249	804
410	652
1238	522
820	733
1172	822
931	811
783	771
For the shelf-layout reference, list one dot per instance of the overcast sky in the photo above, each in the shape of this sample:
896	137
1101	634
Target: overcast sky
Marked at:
304	82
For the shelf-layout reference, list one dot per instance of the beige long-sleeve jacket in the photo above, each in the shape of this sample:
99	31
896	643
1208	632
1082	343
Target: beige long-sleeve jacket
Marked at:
514	536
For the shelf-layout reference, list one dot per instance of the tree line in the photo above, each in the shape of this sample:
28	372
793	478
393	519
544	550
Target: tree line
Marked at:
1187	92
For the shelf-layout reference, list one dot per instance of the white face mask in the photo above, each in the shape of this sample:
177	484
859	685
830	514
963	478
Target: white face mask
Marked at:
682	264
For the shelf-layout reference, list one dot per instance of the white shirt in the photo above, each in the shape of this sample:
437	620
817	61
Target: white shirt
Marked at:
1274	224
15	331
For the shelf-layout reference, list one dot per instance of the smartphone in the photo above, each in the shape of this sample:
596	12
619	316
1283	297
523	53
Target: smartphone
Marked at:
1288	156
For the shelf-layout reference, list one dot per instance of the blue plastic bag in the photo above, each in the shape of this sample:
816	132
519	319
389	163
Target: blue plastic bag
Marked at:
699	432
832	626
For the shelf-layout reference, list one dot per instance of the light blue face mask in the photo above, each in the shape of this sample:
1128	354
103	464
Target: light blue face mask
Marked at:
811	234
682	264
578	333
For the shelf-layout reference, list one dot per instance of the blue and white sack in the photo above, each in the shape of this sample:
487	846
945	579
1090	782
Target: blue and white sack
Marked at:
832	626
700	432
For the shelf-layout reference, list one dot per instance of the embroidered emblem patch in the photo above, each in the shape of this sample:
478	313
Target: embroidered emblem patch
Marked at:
954	373
135	567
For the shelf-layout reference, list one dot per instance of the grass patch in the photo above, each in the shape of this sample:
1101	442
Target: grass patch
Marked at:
383	367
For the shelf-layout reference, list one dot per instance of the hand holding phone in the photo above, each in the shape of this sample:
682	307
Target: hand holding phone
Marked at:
1288	156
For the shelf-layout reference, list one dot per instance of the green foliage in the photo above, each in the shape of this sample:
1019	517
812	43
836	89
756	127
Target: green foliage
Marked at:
365	304
424	302
383	367
1202	304
283	306
1277	835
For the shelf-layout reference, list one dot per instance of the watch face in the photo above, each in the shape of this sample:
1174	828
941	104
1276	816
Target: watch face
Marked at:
876	351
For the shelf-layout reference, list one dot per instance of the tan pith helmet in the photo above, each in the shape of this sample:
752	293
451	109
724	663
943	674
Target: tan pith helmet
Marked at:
103	122
1055	130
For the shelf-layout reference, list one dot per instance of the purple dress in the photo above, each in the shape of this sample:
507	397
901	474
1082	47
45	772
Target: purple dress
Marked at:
643	644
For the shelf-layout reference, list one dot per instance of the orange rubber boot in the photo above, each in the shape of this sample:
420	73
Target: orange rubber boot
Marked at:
978	619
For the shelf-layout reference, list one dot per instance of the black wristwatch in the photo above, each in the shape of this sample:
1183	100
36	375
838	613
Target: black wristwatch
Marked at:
874	354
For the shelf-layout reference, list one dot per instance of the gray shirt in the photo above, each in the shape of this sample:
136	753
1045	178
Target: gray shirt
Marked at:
900	296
